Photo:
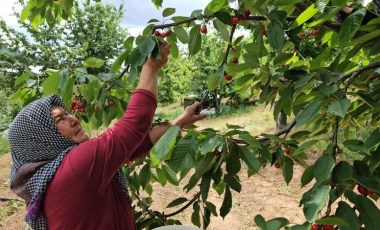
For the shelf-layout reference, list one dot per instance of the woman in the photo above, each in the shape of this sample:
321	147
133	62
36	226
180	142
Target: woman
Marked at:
72	182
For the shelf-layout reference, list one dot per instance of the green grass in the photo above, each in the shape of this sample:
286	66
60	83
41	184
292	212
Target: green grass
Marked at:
4	145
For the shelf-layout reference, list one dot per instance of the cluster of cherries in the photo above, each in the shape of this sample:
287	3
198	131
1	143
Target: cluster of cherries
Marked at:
163	33
322	227
240	17
79	104
303	35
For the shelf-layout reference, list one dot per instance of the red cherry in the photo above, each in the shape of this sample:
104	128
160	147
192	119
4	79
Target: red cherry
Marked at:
287	151
262	87
264	32
216	152
362	190
73	105
111	103
314	32
228	77
314	227
302	35
204	29
157	33
234	60
234	20
81	110
277	165
241	17
328	227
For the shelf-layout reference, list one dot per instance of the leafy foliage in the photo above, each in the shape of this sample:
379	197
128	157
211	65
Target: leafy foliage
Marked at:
328	80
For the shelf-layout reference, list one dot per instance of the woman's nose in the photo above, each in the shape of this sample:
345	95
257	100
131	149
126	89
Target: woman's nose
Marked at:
73	120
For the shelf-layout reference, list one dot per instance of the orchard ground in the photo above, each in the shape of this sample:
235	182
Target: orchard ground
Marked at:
265	193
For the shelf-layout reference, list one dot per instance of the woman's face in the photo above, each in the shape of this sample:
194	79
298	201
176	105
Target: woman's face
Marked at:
68	125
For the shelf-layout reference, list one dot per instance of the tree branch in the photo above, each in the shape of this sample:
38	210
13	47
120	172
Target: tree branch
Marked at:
359	71
184	207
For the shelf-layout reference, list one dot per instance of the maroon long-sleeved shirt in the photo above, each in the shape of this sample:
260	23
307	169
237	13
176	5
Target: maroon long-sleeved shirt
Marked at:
83	193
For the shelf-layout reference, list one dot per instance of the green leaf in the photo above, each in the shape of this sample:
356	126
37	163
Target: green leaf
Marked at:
144	176
304	16
328	89
287	169
222	29
233	165
214	6
167	12
249	139
181	34
66	5
347	213
285	2
339	108
317	201
349	26
213	82
227	203
321	5
260	221
277	223
373	139
276	35
307	175
323	167
164	145
177	202
50	85
210	144
93	62
342	172
249	159
183	154
67	91
195	219
223	16
146	45
195	40
332	221
205	184
369	213
170	175
232	182
308	112
136	58
157	3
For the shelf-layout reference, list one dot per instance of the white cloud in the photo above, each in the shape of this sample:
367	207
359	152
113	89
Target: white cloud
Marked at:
6	10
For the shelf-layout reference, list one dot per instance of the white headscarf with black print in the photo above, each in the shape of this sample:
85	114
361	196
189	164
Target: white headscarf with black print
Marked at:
37	150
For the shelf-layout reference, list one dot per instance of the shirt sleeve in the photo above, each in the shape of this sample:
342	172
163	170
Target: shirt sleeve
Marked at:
98	159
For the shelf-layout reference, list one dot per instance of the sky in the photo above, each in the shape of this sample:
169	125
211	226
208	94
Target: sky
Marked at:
136	12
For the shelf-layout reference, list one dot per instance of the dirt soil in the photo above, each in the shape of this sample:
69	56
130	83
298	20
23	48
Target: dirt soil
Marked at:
265	193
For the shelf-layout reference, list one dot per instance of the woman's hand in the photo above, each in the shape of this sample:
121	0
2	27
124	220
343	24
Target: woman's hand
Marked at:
189	116
155	64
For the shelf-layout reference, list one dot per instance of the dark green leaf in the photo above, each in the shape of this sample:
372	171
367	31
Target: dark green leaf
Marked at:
183	154
276	35
347	213
249	159
323	167
232	182
146	45
144	176
308	112
195	40
227	203
181	34
317	201
214	6
349	26
287	169
340	108
164	145
369	213
167	12
307	175
177	202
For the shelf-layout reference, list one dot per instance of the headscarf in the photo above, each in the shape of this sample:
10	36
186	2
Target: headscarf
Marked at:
37	150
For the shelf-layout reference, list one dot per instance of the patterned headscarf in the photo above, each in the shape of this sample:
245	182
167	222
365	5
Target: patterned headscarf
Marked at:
37	150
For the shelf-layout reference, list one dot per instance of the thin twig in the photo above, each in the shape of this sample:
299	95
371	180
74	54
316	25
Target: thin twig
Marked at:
184	207
10	199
